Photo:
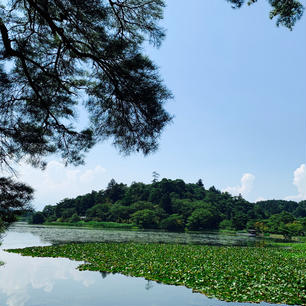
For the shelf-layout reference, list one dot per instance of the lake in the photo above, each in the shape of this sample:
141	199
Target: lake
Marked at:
27	281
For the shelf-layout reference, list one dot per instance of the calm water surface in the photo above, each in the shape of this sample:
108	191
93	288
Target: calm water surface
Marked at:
27	281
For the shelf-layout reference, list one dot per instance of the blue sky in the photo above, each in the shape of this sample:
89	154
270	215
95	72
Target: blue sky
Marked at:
239	85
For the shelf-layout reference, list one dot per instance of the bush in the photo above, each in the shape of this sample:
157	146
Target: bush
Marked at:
291	229
38	218
145	218
226	224
51	218
119	213
173	223
75	218
141	205
99	212
201	219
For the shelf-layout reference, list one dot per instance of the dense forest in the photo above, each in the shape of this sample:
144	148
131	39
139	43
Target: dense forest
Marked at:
177	206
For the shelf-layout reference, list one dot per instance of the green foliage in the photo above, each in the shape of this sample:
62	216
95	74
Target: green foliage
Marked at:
75	218
226	224
165	203
155	176
114	191
202	219
241	274
177	205
283	223
38	218
145	218
260	227
68	213
49	212
174	223
183	207
239	220
119	212
2	226
99	212
200	183
15	198
275	221
300	211
140	205
265	209
291	229
60	49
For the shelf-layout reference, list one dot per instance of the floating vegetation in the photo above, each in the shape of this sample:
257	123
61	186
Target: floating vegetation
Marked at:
242	274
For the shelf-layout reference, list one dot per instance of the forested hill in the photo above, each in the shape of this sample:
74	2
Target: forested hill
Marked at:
174	205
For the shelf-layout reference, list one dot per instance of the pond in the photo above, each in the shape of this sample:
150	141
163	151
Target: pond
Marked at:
27	281
60	234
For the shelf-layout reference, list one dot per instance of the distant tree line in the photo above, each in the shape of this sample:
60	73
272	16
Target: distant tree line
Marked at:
177	206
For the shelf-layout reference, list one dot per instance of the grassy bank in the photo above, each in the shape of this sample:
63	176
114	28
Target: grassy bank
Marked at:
240	274
94	224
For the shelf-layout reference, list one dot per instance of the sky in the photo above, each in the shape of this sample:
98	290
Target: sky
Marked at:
239	86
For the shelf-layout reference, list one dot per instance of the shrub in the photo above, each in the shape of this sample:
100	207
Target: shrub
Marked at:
173	223
226	224
201	219
145	218
75	218
38	218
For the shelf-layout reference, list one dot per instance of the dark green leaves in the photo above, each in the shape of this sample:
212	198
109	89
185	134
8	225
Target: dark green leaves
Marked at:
287	12
14	197
63	52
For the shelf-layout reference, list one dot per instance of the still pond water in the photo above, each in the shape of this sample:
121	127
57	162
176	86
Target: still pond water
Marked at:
27	281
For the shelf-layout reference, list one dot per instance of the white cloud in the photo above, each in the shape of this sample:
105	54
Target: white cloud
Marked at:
57	182
299	180
245	186
39	274
90	174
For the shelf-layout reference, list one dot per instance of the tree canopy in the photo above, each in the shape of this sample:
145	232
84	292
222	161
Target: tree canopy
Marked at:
14	198
62	52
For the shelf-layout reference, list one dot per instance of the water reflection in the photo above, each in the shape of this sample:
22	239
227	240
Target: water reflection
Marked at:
23	278
104	274
27	281
51	234
149	285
